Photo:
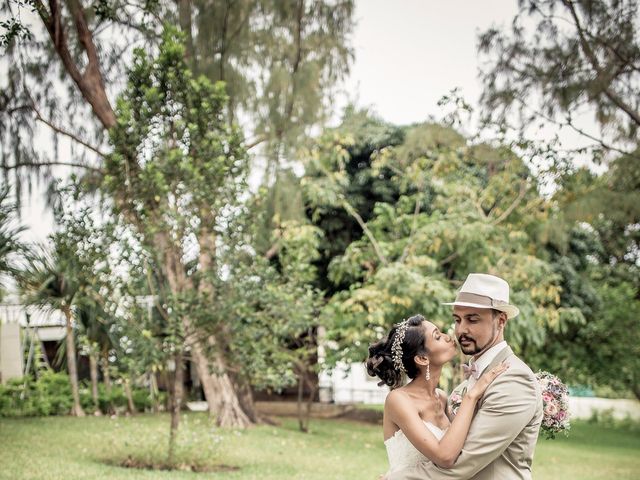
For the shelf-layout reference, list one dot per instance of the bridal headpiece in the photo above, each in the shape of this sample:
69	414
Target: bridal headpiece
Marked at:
396	346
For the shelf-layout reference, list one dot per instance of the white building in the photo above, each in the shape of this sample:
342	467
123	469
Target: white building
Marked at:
20	326
350	383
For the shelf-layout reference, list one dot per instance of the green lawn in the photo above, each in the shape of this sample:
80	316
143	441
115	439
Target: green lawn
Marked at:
70	448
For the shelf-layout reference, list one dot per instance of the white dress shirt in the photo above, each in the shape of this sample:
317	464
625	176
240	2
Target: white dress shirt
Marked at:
485	360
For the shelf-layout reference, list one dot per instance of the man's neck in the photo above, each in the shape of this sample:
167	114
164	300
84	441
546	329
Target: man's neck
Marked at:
499	339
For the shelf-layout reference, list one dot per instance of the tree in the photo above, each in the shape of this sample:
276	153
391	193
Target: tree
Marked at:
10	245
561	56
456	211
611	354
591	241
176	172
53	282
366	134
280	60
291	83
560	59
96	340
277	310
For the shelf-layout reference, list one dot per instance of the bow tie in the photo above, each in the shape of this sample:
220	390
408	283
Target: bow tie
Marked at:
471	370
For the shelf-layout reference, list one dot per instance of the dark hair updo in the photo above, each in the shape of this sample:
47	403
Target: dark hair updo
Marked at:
380	361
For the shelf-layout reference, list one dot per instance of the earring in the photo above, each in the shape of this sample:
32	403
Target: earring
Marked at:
428	375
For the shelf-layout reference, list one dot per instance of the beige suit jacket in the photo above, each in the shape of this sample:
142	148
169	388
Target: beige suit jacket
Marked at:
503	433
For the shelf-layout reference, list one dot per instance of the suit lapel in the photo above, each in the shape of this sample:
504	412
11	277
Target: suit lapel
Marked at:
461	387
500	357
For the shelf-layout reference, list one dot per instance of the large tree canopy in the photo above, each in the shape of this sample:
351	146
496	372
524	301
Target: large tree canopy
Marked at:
561	58
281	62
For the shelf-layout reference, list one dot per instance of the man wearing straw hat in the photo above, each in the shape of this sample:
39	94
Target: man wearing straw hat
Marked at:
503	434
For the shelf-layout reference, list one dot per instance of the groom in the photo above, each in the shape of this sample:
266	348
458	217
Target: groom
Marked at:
504	431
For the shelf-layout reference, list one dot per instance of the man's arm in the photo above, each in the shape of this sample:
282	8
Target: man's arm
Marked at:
507	407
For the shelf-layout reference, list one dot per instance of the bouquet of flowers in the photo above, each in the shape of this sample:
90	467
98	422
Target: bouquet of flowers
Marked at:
555	400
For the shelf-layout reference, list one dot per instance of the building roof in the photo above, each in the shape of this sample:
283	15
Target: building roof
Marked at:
27	315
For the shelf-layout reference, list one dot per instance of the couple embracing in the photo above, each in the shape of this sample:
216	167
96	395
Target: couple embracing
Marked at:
488	427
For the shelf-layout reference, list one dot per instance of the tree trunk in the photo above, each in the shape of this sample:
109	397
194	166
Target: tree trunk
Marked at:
72	367
93	365
301	423
106	376
204	375
304	414
245	397
220	392
229	412
153	392
218	388
90	81
127	390
184	19
313	389
176	406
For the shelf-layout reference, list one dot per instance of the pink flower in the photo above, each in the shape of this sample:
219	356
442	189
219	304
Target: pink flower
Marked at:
547	397
551	409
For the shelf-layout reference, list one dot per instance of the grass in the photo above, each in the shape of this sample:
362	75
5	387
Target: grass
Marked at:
590	452
79	448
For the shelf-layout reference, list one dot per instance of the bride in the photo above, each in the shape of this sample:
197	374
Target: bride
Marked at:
417	425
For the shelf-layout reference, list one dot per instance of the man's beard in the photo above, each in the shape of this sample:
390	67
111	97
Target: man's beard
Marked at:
470	349
473	349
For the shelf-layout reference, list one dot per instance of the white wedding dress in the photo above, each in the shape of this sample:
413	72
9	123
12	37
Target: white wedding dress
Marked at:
402	453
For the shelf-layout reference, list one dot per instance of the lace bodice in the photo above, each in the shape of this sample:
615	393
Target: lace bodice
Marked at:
402	453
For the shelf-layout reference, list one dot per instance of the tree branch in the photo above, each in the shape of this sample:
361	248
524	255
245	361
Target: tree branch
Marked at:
568	123
450	258
61	131
90	83
352	211
414	226
255	142
523	190
584	44
288	112
49	164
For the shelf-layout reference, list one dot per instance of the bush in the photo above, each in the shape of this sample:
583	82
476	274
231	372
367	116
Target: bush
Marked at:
606	418
107	401
54	391
117	399
49	395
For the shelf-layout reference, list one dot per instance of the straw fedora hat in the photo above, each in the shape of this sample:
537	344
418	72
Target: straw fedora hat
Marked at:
480	290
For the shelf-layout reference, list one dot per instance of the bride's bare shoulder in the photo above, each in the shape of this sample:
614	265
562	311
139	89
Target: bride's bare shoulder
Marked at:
398	405
396	397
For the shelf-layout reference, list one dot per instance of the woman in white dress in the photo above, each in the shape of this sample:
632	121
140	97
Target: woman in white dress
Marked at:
416	423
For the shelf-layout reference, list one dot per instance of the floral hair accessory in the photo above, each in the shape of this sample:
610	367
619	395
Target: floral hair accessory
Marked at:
555	403
396	346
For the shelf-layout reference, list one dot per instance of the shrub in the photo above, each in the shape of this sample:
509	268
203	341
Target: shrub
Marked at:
49	395
607	419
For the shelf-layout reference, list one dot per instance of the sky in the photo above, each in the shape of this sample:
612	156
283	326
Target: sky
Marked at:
408	54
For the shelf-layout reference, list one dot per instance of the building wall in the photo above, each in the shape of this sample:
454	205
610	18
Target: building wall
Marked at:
350	383
10	351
